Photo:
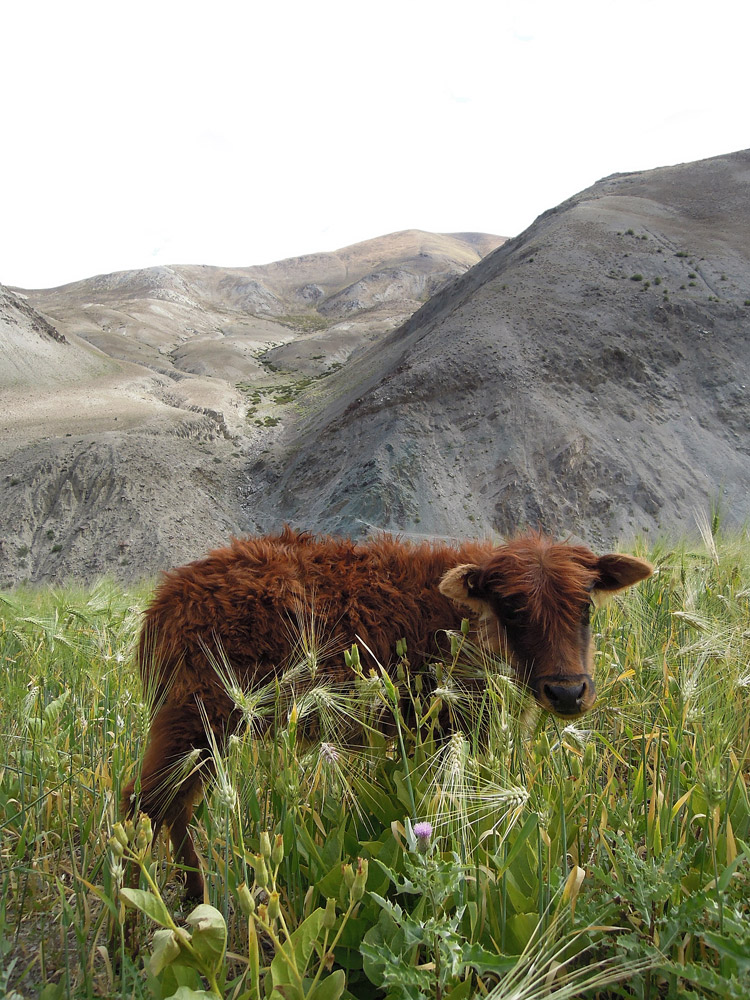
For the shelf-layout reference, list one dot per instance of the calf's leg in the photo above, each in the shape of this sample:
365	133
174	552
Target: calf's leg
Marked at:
170	782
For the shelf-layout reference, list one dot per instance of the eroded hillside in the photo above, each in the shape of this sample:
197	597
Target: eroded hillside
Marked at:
590	376
132	403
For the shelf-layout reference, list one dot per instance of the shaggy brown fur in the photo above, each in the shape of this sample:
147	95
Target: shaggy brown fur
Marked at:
529	600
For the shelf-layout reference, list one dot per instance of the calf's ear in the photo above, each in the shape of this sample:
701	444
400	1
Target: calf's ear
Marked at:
616	572
460	584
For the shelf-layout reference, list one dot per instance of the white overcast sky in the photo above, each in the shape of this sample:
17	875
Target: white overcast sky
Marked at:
231	132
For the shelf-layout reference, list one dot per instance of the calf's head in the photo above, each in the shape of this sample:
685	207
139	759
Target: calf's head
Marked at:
532	599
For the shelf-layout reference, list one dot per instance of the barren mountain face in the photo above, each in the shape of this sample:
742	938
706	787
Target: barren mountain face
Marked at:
132	403
590	377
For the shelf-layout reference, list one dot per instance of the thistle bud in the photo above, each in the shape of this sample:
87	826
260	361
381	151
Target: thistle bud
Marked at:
245	899
351	659
261	872
348	873
329	916
265	844
277	854
143	834
589	755
347	881
118	831
357	890
465	626
116	848
274	906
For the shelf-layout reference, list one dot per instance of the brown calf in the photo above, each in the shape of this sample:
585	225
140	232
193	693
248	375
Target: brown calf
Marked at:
529	601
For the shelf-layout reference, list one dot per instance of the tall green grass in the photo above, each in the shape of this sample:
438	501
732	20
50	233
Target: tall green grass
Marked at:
605	858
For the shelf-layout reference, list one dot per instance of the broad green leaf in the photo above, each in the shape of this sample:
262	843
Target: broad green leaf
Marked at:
291	961
305	936
330	884
380	942
166	949
484	961
519	929
52	711
737	951
726	876
348	956
171	978
253	806
526	830
329	988
53	991
378	802
149	904
462	991
209	934
518	896
287	991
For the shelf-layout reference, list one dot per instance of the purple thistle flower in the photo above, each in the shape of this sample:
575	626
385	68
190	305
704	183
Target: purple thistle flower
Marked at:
423	832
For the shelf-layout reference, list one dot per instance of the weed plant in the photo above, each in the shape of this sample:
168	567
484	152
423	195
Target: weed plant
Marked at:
411	836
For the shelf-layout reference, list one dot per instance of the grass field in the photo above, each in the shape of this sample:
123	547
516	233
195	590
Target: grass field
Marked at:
515	858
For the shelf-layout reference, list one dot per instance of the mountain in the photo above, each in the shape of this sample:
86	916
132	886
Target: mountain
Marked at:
221	322
590	376
90	448
131	403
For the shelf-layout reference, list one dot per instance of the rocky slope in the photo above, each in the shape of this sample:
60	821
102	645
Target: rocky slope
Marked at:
105	466
131	403
590	376
300	315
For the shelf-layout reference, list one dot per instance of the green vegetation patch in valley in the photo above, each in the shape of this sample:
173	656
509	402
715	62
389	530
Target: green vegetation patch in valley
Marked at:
279	394
311	322
502	857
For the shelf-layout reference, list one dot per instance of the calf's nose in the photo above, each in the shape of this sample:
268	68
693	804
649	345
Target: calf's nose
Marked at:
565	699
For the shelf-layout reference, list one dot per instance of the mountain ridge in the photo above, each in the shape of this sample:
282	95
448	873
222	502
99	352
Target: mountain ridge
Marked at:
118	387
588	377
580	305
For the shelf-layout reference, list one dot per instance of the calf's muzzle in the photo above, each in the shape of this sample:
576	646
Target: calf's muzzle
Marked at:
567	697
